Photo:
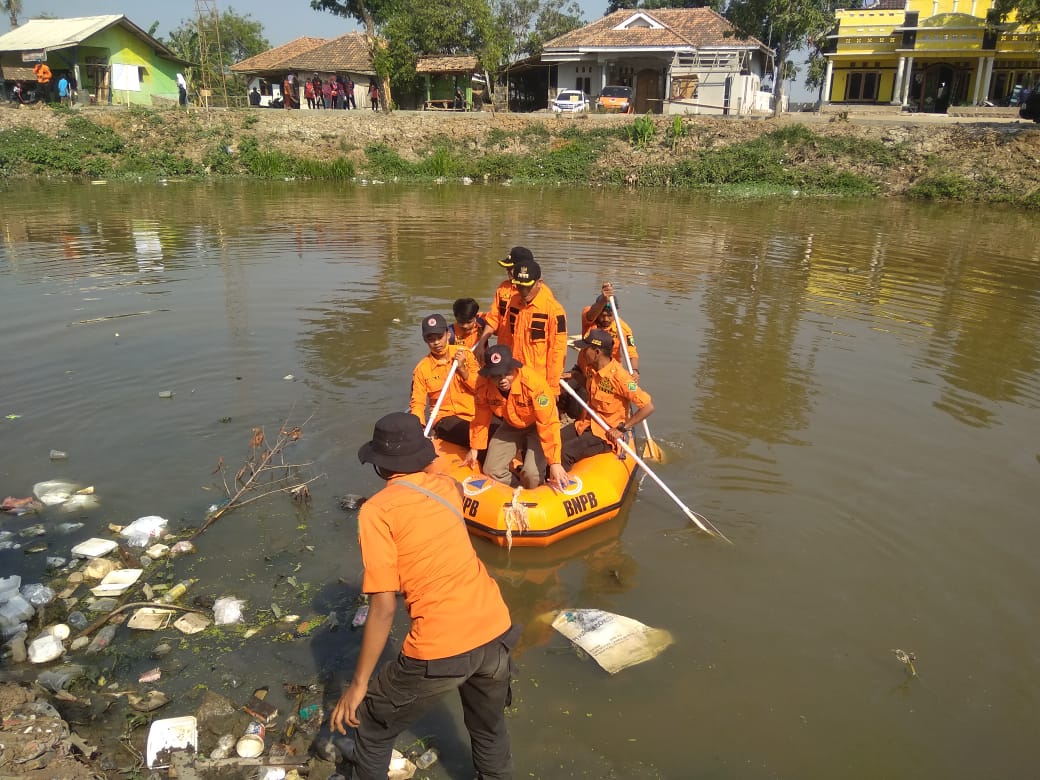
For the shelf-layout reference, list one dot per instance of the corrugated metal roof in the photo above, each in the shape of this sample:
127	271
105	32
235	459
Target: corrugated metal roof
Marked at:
678	28
37	34
432	64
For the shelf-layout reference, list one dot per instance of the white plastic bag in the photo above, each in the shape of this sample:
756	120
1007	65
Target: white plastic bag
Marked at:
144	530
227	610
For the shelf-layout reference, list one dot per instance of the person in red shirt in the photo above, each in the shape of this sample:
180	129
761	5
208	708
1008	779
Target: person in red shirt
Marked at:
612	392
522	398
456	410
414	541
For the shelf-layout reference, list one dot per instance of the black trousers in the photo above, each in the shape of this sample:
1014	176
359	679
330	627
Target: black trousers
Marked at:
577	447
406	688
453	429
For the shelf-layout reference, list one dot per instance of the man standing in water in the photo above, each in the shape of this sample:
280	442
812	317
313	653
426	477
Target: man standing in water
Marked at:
414	541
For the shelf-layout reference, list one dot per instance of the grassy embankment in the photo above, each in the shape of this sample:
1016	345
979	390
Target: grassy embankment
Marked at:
787	158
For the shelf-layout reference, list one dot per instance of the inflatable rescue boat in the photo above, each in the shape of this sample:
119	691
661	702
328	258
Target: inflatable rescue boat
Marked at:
518	517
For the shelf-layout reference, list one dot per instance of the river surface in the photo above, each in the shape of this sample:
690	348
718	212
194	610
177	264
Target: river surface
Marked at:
850	391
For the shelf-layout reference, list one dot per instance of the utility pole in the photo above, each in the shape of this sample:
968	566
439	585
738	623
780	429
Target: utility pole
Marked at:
211	55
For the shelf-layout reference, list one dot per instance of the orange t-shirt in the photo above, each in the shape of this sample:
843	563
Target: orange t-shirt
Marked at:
428	381
529	402
538	334
415	544
630	341
611	390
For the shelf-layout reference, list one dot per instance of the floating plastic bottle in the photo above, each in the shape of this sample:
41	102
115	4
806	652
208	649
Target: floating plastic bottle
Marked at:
427	759
102	640
176	591
361	615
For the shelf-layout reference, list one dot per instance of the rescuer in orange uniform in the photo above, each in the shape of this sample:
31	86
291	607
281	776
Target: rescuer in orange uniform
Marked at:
522	398
611	393
414	542
456	412
536	325
496	319
599	315
469	323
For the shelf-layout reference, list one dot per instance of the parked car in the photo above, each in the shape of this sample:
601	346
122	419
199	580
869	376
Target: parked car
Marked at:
616	98
570	101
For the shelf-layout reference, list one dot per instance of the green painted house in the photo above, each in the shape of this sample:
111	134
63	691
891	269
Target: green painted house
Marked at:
111	59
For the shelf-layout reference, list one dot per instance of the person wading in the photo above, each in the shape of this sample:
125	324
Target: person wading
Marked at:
414	541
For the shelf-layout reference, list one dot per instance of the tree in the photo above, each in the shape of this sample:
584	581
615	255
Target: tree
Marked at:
13	8
785	25
1026	11
373	14
440	27
241	37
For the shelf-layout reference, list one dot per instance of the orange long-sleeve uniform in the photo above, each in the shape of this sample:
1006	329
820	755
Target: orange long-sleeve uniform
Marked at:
630	340
496	315
529	402
611	390
428	381
537	335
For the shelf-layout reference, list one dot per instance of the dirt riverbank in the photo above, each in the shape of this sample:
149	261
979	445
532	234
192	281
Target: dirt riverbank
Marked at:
970	159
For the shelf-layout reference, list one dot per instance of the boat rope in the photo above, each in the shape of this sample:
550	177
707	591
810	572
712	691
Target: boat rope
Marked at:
515	515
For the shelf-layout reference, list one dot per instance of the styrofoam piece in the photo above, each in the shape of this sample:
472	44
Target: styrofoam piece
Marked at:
170	733
94	547
116	582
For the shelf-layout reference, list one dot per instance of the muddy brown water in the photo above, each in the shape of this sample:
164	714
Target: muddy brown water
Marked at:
849	390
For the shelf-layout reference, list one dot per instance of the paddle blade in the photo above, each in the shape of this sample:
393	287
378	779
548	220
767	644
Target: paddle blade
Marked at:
651	451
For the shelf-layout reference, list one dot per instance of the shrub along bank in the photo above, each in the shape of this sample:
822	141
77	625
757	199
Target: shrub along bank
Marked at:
796	154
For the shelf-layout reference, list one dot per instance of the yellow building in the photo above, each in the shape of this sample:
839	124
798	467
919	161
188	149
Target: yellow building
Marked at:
928	55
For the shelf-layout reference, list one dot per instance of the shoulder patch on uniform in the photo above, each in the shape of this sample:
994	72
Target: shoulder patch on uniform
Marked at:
542	400
633	386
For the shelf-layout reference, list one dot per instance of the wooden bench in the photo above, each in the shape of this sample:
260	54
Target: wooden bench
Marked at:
446	104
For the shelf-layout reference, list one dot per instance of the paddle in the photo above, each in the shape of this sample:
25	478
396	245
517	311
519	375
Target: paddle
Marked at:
440	398
699	520
650	449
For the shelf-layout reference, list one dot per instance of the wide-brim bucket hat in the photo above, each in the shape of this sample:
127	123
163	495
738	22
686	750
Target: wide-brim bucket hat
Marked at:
398	444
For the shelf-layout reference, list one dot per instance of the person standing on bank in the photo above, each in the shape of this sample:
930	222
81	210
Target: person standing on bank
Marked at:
182	89
414	541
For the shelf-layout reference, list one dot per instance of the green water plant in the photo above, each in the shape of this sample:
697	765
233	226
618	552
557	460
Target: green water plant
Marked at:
642	131
676	131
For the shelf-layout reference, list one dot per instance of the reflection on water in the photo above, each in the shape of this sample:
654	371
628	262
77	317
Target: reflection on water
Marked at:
850	391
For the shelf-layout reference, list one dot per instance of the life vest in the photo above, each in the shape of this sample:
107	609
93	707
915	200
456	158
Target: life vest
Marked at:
43	73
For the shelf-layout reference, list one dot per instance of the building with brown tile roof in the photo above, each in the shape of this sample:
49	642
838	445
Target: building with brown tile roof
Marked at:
275	59
678	60
345	56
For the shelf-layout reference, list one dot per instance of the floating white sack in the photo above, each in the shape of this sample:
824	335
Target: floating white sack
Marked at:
615	641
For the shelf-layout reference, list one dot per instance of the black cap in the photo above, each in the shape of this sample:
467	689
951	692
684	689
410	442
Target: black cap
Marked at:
398	444
526	274
499	361
597	338
433	323
518	254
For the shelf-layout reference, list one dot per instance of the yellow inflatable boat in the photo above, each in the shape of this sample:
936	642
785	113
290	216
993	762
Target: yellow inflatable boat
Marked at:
537	518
